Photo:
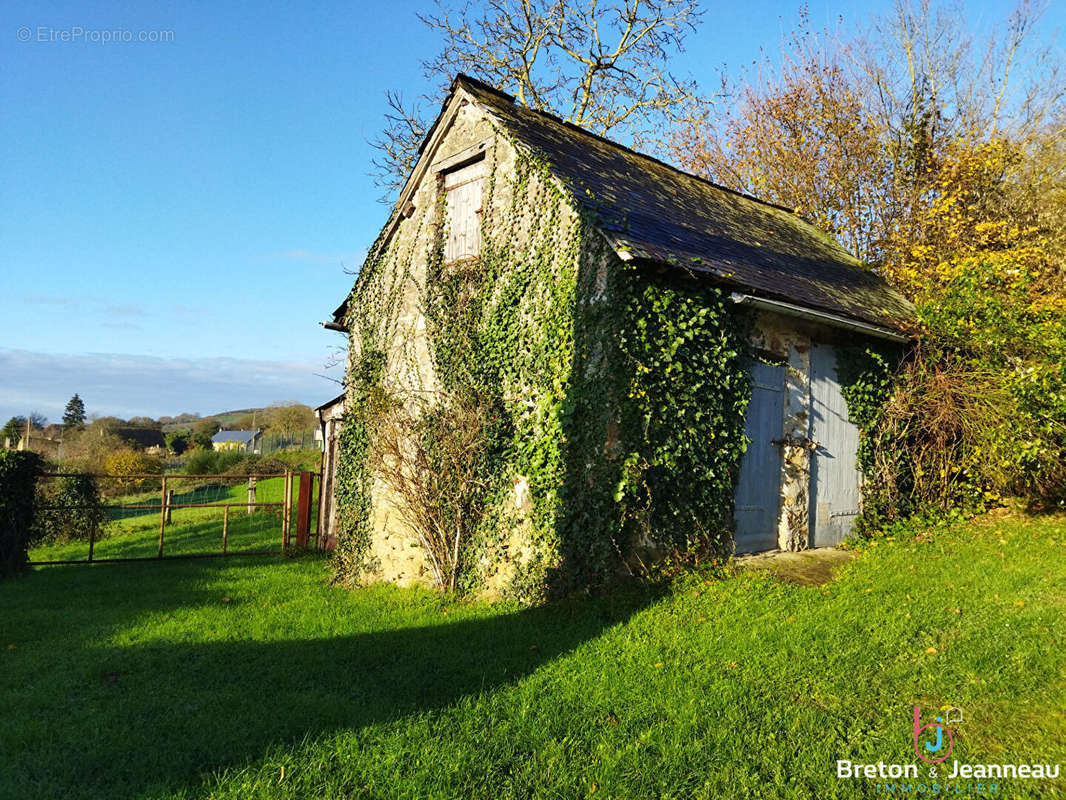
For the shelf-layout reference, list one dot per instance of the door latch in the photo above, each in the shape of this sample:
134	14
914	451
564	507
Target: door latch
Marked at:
805	443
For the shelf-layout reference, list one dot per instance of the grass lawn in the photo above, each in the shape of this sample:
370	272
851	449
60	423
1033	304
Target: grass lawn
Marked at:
134	533
254	678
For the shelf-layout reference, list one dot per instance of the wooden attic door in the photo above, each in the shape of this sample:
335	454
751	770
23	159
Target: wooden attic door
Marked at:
758	494
835	478
463	197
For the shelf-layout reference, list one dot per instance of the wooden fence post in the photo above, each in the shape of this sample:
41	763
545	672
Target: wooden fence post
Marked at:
251	494
170	505
286	511
92	539
225	526
162	514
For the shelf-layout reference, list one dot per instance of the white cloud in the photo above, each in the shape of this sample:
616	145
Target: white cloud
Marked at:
126	385
87	304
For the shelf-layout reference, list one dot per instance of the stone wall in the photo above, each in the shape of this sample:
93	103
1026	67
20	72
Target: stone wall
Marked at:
395	553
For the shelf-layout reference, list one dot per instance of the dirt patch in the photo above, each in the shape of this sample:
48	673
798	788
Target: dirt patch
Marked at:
806	567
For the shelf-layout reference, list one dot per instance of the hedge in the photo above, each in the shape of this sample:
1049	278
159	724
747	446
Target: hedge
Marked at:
18	476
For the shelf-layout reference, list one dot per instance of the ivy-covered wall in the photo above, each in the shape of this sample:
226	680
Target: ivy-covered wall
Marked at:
614	393
656	420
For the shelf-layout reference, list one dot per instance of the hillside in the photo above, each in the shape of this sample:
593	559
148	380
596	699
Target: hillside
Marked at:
223	418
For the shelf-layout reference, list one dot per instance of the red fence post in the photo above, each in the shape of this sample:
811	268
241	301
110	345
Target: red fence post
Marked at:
303	509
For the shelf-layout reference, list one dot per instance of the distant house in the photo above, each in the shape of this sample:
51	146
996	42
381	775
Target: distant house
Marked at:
40	444
247	441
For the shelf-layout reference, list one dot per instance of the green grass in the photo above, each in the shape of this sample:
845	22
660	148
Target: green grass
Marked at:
134	533
141	680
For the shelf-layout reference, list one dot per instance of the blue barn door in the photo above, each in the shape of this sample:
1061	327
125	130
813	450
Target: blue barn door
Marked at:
759	485
834	503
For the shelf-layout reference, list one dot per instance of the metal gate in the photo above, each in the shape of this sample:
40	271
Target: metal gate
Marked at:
759	484
834	498
89	518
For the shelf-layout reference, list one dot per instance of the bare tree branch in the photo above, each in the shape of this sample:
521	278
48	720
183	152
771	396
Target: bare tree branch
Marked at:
405	128
603	66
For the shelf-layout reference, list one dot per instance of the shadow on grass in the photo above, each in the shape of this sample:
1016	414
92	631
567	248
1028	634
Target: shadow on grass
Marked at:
156	718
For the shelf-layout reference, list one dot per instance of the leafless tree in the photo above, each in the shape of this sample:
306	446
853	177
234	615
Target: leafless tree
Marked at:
603	66
851	130
923	54
429	453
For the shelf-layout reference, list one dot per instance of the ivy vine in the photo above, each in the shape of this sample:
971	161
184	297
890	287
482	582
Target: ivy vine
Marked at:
866	376
655	467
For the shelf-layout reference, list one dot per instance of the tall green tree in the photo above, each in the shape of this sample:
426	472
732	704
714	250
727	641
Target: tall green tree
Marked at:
203	431
178	441
74	414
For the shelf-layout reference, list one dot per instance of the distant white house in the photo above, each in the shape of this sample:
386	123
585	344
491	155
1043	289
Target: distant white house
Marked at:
237	440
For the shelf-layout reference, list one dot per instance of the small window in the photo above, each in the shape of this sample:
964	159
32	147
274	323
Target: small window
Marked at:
462	188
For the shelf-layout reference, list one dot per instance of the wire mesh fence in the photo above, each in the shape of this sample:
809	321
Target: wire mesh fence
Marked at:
88	518
275	442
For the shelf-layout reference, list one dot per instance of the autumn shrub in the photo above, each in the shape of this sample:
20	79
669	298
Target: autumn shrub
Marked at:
87	450
211	462
981	403
131	471
433	456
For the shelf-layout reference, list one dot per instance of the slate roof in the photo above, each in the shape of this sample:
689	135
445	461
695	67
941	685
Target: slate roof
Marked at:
654	212
245	437
330	403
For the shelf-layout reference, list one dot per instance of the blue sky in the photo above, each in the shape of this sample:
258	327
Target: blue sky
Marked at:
176	217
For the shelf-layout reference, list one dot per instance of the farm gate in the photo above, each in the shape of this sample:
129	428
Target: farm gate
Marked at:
90	518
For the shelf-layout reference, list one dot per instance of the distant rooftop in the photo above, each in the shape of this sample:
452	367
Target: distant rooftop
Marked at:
246	437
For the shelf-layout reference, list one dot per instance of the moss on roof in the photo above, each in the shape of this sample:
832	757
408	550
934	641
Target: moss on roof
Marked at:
656	212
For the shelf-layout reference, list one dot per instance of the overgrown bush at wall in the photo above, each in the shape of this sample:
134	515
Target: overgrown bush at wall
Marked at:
654	472
867	377
69	509
352	480
975	412
18	477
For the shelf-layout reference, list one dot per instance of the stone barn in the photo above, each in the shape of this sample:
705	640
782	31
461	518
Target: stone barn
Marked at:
654	359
